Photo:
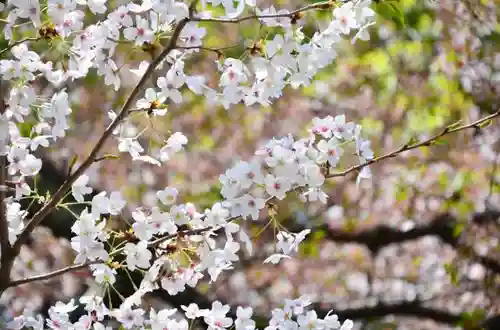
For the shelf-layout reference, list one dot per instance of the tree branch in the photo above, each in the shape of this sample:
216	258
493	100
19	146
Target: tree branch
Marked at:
16	43
381	236
5	248
412	309
292	14
52	274
61	192
410	146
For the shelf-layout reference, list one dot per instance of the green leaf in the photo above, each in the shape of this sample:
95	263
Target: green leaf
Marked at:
439	142
452	270
413	140
454	125
457	230
391	10
485	123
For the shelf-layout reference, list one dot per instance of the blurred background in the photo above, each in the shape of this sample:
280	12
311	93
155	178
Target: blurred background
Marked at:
417	247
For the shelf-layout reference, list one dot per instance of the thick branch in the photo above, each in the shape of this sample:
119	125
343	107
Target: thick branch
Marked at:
442	226
5	248
412	309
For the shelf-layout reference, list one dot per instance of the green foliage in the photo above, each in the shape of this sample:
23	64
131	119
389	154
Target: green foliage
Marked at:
309	248
473	319
391	10
452	270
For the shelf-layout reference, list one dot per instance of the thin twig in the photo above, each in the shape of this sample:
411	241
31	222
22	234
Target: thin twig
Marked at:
316	6
217	50
425	143
52	274
14	44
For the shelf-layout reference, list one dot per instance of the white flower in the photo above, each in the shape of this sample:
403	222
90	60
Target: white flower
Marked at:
143	228
345	18
79	188
217	215
116	202
365	173
331	321
131	146
57	9
30	165
100	205
192	35
170	85
137	255
175	143
329	152
216	319
139	72
130	319
167	196
140	33
348	325
251	206
193	311
275	258
244	321
299	237
313	195
243	236
341	129
97	6
161	320
277	186
152	100
309	321
15	218
363	149
103	273
235	72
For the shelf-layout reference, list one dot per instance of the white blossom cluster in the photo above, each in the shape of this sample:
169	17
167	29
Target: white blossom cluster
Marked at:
279	167
284	164
293	315
246	190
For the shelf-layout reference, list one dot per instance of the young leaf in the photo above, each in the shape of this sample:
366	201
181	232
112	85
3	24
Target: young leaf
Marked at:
485	123
391	10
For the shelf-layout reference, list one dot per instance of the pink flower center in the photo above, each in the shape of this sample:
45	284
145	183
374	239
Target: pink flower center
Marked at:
140	31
